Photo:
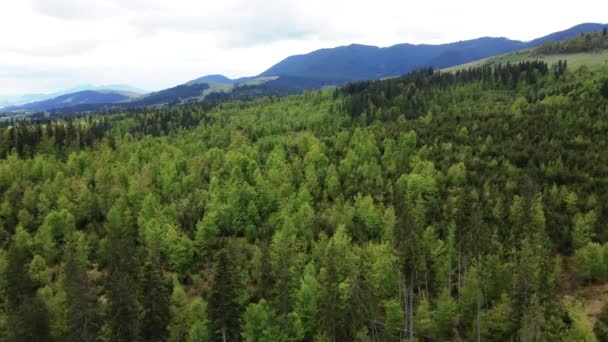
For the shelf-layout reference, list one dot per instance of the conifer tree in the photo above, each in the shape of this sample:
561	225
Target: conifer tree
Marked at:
154	299
122	309
28	318
224	306
82	309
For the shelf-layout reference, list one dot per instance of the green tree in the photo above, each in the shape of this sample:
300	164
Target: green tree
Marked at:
306	301
122	308
584	228
180	314
533	323
423	322
56	227
82	310
224	306
590	262
261	323
445	314
199	329
154	298
393	322
24	306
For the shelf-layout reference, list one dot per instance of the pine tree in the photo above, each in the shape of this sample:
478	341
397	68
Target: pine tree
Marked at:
181	319
199	329
154	299
306	301
330	294
261	323
122	309
82	310
224	307
28	318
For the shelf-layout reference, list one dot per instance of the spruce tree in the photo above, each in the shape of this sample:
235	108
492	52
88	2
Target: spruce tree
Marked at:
82	310
122	309
28	318
224	307
154	298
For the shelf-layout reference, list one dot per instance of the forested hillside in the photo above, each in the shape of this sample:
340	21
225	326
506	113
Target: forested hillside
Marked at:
434	206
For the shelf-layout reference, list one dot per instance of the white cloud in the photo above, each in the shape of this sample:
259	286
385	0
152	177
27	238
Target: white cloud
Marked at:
47	45
74	10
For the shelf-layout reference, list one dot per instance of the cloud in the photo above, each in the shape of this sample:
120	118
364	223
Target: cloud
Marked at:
237	24
155	44
75	9
74	48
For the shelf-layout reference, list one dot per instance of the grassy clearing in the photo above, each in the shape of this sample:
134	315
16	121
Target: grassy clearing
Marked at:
593	60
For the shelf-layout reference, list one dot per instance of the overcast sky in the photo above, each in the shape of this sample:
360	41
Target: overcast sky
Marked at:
49	45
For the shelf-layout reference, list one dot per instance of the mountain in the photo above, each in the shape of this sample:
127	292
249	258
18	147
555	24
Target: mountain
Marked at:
362	62
213	87
18	100
221	79
590	50
340	65
317	69
569	33
75	99
214	78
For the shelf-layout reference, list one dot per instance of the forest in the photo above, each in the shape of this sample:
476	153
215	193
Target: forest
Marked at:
435	206
588	42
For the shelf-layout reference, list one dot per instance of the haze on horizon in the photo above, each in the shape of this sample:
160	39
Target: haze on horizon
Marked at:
50	45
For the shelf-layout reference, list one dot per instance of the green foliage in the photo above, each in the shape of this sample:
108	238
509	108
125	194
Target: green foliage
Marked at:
181	319
584	229
600	329
55	302
199	329
445	314
24	306
423	318
591	261
393	320
51	235
592	41
81	302
307	301
580	329
261	323
155	303
308	217
224	306
123	307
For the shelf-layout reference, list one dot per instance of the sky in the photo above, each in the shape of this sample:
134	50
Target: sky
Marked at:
51	45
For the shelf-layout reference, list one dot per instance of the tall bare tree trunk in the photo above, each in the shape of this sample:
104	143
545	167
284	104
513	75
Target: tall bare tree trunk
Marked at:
478	308
412	305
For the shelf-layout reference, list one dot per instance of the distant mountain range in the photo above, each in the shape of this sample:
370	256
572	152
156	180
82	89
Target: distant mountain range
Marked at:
362	62
18	100
318	69
86	97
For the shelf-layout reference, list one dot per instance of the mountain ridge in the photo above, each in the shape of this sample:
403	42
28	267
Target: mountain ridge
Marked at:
84	97
343	64
23	99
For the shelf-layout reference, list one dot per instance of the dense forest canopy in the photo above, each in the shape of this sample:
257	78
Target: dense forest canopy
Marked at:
433	206
587	42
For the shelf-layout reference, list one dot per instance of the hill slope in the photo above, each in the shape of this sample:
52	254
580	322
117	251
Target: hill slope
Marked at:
19	100
75	99
590	50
